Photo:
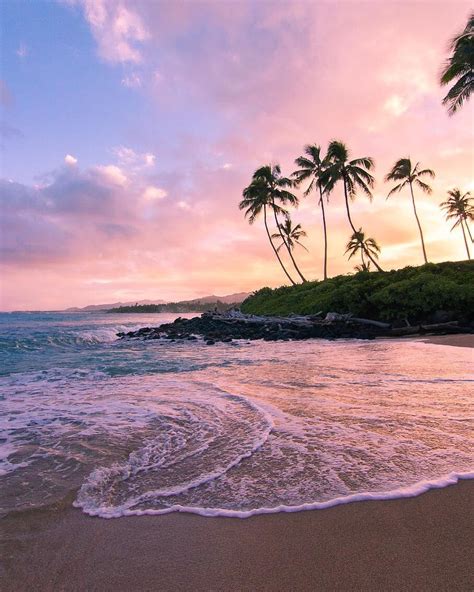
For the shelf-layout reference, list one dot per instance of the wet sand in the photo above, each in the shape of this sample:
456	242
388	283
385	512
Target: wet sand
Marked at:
466	340
421	543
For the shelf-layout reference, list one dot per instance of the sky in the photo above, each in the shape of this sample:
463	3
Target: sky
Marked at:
129	129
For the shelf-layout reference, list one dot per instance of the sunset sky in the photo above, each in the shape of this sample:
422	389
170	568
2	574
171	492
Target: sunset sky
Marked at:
130	127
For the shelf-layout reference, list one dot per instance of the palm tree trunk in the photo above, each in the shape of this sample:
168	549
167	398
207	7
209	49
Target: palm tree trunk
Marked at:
468	231
321	201
418	222
288	247
362	258
354	229
465	240
273	246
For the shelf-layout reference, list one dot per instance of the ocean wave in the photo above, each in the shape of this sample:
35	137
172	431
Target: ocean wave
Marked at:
200	447
399	493
64	339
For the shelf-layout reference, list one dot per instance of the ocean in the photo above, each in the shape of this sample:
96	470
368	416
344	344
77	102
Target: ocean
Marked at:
131	427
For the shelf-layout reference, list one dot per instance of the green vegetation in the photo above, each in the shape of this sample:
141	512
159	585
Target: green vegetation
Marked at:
412	293
184	306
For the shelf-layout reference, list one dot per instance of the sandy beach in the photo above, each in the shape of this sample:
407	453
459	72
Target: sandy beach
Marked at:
466	340
420	543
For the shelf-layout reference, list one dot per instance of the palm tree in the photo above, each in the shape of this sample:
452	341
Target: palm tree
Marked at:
403	171
460	67
312	167
353	173
459	208
362	267
255	201
358	243
291	233
276	186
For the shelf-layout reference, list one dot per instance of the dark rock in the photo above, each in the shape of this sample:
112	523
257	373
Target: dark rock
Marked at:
210	342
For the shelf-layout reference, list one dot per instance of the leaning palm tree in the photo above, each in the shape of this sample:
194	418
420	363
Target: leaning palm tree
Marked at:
311	167
459	208
292	234
256	200
460	67
410	175
277	189
354	175
359	244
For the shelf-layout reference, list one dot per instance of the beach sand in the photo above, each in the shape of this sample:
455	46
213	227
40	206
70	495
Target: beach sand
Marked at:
466	340
420	543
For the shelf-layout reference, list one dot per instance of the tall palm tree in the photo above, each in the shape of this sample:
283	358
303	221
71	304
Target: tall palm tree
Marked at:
353	173
277	189
292	234
459	208
311	167
256	200
410	175
358	243
460	67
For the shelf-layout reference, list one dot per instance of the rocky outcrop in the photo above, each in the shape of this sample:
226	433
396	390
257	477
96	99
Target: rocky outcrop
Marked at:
215	327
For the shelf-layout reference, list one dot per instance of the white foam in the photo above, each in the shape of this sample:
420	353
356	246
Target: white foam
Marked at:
104	479
403	492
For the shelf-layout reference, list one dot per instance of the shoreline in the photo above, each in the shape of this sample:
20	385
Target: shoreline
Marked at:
419	542
466	340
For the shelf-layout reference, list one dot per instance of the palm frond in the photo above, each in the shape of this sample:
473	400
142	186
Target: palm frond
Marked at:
397	188
423	186
460	68
428	172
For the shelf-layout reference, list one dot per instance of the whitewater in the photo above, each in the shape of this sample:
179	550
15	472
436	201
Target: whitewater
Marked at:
121	428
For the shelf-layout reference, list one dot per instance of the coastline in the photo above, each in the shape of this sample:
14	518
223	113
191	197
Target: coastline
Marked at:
466	340
420	543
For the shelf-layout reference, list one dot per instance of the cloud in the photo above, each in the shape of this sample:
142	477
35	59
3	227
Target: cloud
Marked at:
149	159
152	193
131	160
395	105
112	174
118	29
71	160
132	80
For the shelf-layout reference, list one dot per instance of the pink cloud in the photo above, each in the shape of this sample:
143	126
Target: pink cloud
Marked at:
270	77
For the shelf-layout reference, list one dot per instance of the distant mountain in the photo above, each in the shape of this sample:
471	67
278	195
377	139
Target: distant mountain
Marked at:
98	307
218	303
230	299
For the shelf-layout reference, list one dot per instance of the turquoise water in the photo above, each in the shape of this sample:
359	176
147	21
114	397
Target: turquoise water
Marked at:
131	427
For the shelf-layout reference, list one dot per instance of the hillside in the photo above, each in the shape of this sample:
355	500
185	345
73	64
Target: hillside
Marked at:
105	307
198	305
435	292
